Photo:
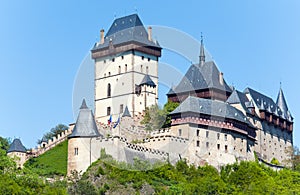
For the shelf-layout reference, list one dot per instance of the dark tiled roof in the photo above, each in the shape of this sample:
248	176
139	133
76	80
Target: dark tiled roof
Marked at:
127	29
238	97
85	125
16	146
260	100
126	112
281	103
147	81
201	77
211	108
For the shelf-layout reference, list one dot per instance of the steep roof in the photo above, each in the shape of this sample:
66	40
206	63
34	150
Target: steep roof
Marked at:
126	112
238	97
126	29
16	146
281	103
147	81
211	108
201	77
85	125
260	100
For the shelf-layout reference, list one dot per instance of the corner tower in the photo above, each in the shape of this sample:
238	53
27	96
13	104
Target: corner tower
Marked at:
123	58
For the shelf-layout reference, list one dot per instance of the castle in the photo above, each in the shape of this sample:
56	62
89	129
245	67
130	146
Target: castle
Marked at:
214	123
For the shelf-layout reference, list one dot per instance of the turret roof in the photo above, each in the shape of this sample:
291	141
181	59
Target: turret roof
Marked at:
85	125
16	146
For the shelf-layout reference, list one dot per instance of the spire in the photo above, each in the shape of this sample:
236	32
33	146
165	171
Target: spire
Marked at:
262	106
281	103
202	55
126	112
83	105
85	125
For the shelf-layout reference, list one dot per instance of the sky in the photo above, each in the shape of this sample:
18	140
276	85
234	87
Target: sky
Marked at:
43	44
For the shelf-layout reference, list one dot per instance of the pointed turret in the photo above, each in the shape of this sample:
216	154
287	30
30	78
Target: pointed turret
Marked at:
85	125
126	112
281	103
16	146
147	81
202	54
262	106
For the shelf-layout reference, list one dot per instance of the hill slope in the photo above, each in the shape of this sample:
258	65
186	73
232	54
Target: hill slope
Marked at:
52	162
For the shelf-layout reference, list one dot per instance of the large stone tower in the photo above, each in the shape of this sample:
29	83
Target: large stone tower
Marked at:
126	69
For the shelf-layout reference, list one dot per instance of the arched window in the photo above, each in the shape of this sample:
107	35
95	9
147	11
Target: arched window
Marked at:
108	90
125	67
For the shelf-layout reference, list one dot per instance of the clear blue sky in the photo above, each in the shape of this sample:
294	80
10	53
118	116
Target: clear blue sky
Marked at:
255	43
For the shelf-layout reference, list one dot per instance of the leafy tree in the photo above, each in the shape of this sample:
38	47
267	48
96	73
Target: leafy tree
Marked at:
293	158
53	132
274	161
168	108
154	118
4	143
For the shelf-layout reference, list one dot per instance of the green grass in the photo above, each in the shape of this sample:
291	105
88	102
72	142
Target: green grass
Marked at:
52	162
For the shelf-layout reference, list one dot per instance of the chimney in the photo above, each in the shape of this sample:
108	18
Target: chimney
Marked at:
221	78
150	33
101	36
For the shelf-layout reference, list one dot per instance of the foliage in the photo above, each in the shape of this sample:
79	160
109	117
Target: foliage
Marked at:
109	176
58	129
52	162
154	118
168	108
274	161
293	158
4	143
16	181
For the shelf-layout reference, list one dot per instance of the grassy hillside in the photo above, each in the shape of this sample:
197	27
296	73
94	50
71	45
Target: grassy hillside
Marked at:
52	162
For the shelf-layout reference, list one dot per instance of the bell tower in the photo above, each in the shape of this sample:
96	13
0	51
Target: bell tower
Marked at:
126	62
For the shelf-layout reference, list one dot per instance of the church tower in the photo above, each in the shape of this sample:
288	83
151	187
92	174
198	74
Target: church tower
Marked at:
126	69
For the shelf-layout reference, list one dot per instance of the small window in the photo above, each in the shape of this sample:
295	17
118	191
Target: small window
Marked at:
108	90
108	111
207	144
207	134
226	148
113	59
119	69
179	132
104	61
225	137
198	143
198	132
143	57
218	136
125	67
122	57
218	146
148	59
121	108
104	74
76	151
109	74
141	68
147	69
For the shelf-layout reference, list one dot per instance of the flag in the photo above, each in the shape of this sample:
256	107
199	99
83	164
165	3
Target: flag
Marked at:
109	120
117	122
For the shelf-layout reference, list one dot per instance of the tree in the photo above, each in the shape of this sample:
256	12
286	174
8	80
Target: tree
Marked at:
4	143
54	132
168	108
293	158
154	118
